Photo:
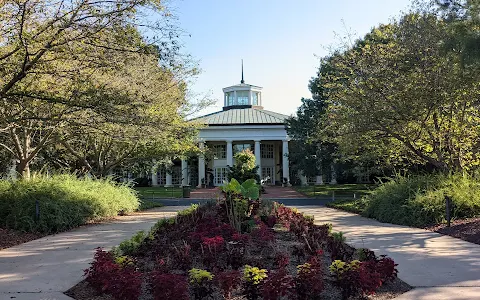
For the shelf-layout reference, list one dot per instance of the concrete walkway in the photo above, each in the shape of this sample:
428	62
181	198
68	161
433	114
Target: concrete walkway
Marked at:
438	266
47	267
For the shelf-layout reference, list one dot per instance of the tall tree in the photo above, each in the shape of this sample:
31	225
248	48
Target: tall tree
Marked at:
312	150
72	70
399	86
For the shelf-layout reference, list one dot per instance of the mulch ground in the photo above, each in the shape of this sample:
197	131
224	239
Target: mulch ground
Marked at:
10	238
390	290
467	230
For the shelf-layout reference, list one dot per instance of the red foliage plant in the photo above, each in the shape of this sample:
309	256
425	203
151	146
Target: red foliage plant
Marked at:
387	268
263	233
367	277
210	227
310	278
107	276
228	281
182	255
278	284
271	221
282	260
213	244
169	286
239	237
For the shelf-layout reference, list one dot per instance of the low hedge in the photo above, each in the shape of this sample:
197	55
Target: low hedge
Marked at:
65	202
420	200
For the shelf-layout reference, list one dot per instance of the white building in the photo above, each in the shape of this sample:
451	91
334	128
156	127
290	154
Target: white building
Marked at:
242	124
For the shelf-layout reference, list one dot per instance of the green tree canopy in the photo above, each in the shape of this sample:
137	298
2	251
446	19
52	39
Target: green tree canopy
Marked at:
83	77
399	86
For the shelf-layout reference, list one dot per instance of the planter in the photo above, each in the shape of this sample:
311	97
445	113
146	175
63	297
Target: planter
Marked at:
186	191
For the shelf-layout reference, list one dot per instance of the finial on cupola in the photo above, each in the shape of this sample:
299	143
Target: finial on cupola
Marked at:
242	81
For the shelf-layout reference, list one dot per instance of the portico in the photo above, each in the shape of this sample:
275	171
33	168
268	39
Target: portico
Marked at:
271	156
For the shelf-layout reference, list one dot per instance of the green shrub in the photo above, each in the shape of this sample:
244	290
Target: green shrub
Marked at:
65	202
420	200
244	167
130	246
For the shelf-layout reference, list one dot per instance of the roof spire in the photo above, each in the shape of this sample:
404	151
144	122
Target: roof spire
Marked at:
242	81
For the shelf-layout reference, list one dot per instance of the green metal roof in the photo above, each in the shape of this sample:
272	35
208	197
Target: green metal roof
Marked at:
242	116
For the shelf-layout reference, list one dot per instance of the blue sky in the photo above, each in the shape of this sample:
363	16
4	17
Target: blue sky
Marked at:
278	40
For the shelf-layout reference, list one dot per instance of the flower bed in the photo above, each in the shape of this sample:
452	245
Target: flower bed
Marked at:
238	248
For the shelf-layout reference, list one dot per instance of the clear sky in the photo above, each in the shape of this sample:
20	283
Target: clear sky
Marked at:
278	40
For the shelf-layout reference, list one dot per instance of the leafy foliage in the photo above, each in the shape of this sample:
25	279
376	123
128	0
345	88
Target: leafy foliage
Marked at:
169	286
420	200
131	246
121	281
253	277
244	168
65	202
228	281
278	284
310	279
86	90
198	255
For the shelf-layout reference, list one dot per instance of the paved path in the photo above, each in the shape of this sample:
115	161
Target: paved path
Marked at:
45	268
438	266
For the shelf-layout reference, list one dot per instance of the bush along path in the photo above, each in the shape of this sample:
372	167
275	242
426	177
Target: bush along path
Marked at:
438	267
419	201
238	248
47	267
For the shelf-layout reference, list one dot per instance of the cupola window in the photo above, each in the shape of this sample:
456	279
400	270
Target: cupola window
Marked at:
255	98
242	98
230	98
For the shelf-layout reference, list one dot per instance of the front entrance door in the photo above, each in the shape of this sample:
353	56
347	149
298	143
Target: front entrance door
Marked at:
268	172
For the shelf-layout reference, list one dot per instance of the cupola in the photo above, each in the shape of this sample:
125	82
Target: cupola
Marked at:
242	95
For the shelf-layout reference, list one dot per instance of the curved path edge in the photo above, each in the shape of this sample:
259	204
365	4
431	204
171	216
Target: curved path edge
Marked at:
47	267
437	266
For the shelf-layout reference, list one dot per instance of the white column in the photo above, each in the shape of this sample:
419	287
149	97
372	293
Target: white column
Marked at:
154	178
258	158
303	178
168	179
319	180
285	166
333	174
201	166
185	179
229	153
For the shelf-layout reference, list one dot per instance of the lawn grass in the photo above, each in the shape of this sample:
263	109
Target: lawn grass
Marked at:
356	206
149	204
159	192
343	191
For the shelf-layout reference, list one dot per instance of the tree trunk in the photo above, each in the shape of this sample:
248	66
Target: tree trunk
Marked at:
23	168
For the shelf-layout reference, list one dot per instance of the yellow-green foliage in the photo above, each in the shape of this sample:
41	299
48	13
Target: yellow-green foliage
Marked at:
420	200
339	267
65	202
188	211
130	246
198	276
123	261
338	236
253	274
304	268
